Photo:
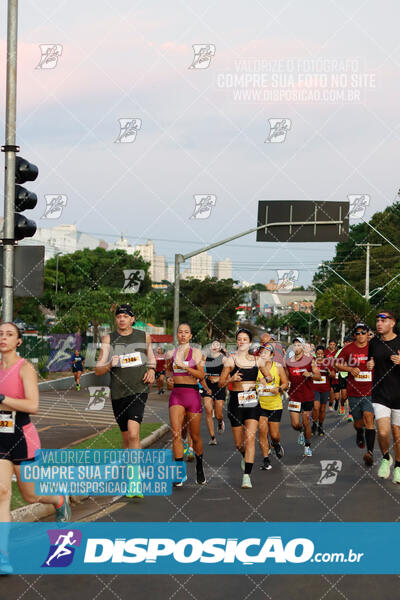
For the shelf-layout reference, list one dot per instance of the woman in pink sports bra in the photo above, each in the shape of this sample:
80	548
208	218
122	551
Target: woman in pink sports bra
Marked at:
185	366
19	397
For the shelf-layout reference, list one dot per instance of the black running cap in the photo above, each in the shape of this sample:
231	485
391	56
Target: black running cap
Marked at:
360	325
124	309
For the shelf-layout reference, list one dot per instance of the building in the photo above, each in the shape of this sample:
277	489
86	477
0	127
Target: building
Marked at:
171	273
64	239
223	269
157	269
281	304
201	266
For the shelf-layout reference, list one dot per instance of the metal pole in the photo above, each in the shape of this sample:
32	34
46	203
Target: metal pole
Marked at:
368	246
178	259
342	332
10	149
328	330
57	255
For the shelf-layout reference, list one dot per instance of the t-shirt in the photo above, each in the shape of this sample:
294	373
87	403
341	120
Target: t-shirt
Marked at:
77	362
160	363
323	385
331	355
386	377
354	356
301	388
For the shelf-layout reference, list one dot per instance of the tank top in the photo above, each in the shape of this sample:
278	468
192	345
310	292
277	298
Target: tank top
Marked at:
189	362
214	365
269	402
12	385
127	379
248	373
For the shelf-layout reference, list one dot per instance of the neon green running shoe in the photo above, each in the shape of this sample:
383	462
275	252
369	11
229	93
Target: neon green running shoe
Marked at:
384	469
396	475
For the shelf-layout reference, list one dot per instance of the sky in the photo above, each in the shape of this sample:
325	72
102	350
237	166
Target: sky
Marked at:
333	67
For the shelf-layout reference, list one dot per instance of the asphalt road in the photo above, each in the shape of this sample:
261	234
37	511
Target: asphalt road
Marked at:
288	492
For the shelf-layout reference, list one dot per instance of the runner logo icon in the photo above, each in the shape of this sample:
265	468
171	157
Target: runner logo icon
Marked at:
62	547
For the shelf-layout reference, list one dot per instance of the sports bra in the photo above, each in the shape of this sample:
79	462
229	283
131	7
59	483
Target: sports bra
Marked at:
214	365
248	373
189	362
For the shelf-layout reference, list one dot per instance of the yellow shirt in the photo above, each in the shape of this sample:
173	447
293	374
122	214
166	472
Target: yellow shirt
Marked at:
266	400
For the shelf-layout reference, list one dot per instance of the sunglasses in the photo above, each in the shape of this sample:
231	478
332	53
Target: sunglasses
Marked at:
383	317
361	332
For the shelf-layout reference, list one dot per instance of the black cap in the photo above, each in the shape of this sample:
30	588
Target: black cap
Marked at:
360	326
124	309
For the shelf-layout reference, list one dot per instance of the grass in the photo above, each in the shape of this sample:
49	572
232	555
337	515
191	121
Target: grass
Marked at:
108	439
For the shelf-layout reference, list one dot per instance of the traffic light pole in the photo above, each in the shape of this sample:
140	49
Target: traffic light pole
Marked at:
10	149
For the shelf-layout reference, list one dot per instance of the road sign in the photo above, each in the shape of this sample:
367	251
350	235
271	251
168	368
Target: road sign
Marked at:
303	221
28	271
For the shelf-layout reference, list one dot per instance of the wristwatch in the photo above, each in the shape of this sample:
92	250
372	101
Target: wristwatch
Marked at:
2	397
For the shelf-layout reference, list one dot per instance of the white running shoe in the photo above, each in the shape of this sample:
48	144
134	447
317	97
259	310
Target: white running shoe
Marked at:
246	481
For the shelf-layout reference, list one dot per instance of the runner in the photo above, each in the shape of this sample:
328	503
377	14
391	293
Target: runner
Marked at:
384	358
342	378
77	367
270	400
160	369
321	393
128	355
213	396
279	353
353	359
241	369
186	365
302	371
333	380
19	397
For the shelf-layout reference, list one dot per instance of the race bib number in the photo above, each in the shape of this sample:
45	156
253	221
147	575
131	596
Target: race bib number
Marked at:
247	399
130	360
265	390
178	369
7	421
364	376
294	406
322	380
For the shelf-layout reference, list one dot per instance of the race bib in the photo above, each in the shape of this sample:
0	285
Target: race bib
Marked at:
178	369
265	390
294	406
247	399
364	376
322	380
130	360
7	421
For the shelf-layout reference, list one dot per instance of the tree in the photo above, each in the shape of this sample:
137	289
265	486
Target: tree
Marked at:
344	303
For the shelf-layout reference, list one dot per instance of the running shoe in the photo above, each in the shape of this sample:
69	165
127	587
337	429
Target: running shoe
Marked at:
341	410
314	428
279	451
266	466
5	567
181	482
64	513
246	481
200	477
300	439
134	494
307	451
396	475
330	408
384	469
78	388
321	431
221	426
350	419
360	441
212	442
368	459
188	452
242	464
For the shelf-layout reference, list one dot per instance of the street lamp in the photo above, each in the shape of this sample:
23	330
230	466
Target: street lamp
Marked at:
57	254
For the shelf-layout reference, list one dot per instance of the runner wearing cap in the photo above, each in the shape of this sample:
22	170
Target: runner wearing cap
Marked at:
127	354
270	400
302	371
384	359
333	380
241	369
353	359
279	353
321	393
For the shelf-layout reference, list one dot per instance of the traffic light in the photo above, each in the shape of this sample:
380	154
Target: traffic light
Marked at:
24	199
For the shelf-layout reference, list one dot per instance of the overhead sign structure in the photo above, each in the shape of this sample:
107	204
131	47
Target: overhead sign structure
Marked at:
302	221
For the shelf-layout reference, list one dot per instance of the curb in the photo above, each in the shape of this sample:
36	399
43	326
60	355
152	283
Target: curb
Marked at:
37	511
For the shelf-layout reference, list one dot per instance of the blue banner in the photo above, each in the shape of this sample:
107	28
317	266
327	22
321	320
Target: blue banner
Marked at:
201	548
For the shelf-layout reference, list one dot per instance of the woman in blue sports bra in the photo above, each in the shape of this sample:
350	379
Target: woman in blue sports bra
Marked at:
241	369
